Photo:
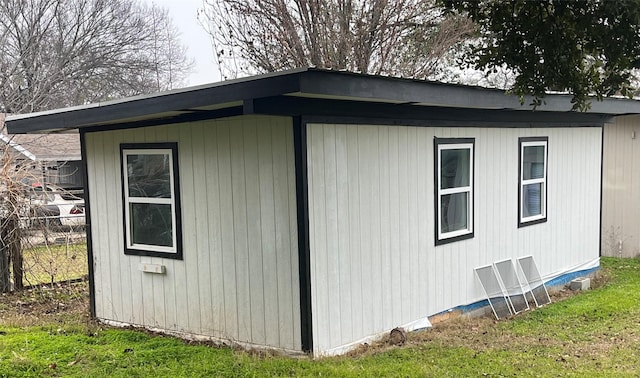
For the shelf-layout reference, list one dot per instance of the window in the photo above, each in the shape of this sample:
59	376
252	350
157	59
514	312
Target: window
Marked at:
532	190
454	189
152	224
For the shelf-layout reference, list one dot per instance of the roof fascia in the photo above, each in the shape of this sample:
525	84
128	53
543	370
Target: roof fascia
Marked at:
406	113
107	113
183	118
312	84
348	84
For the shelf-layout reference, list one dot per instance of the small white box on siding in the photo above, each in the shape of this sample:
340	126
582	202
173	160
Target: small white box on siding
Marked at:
152	268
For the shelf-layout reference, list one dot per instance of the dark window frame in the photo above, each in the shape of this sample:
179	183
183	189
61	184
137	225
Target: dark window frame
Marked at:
149	249
525	142
437	142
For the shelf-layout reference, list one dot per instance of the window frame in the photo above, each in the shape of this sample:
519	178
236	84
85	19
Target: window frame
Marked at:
441	144
542	217
138	249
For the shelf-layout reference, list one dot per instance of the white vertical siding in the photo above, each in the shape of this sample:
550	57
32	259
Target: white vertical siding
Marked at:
374	263
238	279
621	188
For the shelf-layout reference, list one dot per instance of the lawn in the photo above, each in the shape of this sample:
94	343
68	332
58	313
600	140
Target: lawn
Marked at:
54	263
594	333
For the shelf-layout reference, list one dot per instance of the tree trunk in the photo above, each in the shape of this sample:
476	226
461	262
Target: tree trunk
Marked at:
11	235
5	285
15	250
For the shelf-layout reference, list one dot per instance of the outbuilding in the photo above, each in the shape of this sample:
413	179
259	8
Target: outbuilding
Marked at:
313	210
621	187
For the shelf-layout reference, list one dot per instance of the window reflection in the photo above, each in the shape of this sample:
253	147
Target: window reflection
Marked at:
149	176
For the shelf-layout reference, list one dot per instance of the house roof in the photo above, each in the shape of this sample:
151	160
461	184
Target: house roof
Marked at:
323	93
39	147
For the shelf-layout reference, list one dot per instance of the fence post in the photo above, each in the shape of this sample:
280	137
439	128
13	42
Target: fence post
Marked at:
5	283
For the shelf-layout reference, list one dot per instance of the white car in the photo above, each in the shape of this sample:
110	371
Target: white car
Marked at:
57	206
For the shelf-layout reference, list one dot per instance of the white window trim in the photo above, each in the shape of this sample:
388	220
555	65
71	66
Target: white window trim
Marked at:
148	200
462	189
543	199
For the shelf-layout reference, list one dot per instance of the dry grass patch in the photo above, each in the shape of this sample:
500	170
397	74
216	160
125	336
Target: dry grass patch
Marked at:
486	333
45	305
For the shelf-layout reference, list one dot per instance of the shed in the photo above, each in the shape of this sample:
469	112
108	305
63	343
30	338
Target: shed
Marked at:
621	187
313	210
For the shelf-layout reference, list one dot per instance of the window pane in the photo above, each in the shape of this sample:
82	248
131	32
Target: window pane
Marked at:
454	168
532	200
149	176
533	162
151	224
453	212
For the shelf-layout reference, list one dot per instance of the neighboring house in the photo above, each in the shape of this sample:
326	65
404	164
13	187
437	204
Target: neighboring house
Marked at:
49	158
621	188
312	210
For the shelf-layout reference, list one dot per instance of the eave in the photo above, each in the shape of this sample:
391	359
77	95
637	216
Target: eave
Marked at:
314	92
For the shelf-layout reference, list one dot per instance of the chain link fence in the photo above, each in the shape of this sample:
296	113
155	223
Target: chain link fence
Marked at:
43	242
42	210
54	255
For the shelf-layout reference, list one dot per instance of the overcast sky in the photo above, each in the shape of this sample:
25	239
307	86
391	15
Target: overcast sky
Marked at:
184	15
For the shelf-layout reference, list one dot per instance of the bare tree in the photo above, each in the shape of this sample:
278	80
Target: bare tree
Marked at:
452	70
41	207
58	53
168	56
11	211
399	37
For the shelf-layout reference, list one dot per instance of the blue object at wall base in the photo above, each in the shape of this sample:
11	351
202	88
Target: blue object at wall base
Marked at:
558	281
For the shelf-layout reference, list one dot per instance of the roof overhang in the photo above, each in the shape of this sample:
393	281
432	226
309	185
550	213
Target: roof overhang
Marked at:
315	92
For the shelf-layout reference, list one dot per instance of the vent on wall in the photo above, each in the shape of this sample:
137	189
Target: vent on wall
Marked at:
152	268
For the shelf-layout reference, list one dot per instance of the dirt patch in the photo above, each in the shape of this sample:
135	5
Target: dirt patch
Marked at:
479	333
45	305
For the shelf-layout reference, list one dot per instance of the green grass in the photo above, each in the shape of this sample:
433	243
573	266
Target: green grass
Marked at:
595	333
54	263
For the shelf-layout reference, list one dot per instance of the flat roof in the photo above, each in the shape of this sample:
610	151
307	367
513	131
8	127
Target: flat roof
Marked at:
303	92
